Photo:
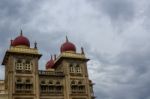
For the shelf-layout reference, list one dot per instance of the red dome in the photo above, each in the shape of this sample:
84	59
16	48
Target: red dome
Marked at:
50	63
67	46
21	40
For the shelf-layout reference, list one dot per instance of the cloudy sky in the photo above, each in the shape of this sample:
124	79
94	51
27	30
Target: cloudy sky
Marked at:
114	33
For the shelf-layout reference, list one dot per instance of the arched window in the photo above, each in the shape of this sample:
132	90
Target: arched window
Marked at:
19	80
79	82
58	83
43	82
50	82
81	88
28	81
19	61
71	68
73	82
27	62
78	69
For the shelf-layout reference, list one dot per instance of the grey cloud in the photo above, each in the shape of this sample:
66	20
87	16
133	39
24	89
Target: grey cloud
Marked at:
125	74
119	12
122	76
116	9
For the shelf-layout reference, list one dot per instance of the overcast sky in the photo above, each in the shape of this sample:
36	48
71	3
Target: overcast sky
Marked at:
114	33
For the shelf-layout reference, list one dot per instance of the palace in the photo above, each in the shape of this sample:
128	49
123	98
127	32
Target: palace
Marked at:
65	76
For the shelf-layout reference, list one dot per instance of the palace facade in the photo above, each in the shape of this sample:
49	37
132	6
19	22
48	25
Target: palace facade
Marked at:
65	76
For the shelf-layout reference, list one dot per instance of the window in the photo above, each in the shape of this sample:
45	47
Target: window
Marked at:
78	69
28	81
75	68
19	61
73	82
19	86
28	65
19	65
59	89
27	62
51	88
79	82
50	82
23	66
43	82
43	88
19	81
28	86
71	68
58	83
81	89
23	86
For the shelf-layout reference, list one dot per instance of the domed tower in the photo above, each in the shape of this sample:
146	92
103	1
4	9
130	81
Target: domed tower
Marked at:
67	47
20	41
74	66
21	68
50	63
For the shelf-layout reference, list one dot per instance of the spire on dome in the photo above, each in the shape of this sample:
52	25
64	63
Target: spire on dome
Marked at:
67	46
51	57
21	33
67	39
21	40
50	63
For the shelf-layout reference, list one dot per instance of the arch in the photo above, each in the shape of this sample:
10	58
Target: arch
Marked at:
73	82
19	80
28	81
78	68
80	82
19	61
58	82
43	82
71	67
50	82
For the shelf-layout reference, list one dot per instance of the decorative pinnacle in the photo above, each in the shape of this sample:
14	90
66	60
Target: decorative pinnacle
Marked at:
54	56
67	39
21	33
82	50
51	57
11	41
35	45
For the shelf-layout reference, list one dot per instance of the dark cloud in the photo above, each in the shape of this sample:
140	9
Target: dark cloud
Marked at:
119	9
116	9
119	63
124	76
119	12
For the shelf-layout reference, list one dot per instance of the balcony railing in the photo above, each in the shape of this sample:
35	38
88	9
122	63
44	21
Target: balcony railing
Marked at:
24	90
58	92
50	73
78	91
